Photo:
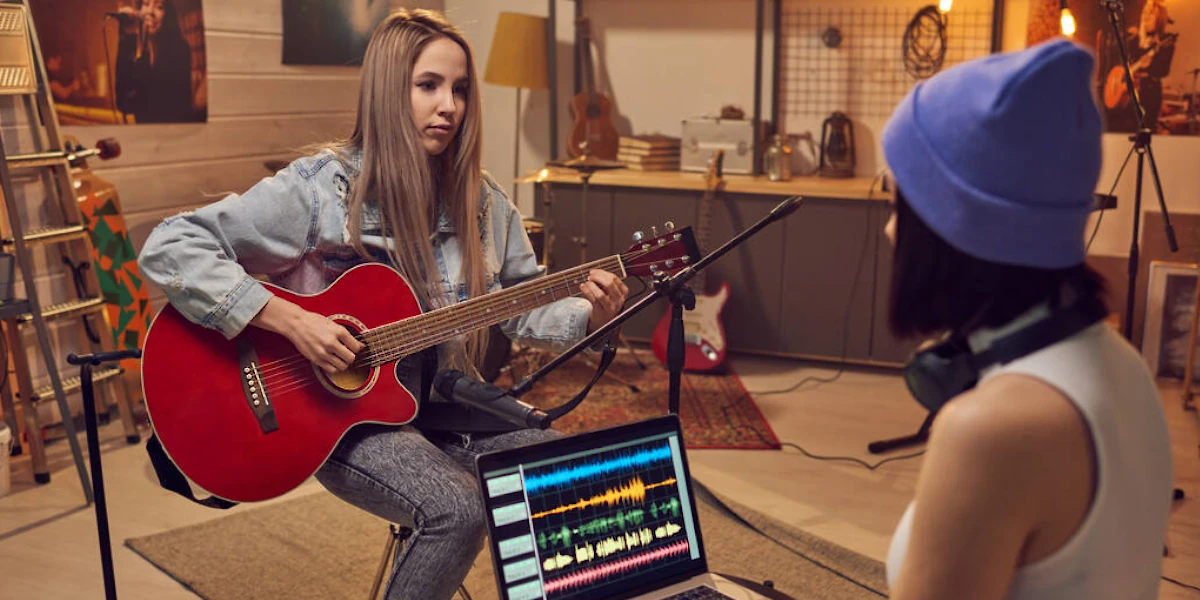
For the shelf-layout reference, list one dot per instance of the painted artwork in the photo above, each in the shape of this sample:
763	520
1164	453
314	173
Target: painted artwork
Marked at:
329	32
1172	295
124	61
1163	49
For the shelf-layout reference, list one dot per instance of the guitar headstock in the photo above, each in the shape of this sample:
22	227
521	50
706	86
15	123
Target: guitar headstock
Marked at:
714	178
664	254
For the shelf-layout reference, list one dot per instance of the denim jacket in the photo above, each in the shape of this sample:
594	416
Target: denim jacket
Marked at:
292	228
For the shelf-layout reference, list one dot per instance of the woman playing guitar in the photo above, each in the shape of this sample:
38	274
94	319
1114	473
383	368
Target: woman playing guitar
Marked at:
405	189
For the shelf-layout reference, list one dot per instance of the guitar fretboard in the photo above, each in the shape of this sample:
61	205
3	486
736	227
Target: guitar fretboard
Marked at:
403	338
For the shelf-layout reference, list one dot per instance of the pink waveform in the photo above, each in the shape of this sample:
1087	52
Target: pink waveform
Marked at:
587	576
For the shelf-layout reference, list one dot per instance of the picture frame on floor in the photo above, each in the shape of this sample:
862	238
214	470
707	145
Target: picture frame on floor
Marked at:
1169	304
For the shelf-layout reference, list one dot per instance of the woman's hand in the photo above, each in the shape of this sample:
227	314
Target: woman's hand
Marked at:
607	294
130	20
322	341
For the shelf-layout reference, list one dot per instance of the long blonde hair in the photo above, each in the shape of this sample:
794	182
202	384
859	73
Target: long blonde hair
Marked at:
400	174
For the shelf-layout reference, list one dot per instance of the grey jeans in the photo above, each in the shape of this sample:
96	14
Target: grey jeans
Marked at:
403	476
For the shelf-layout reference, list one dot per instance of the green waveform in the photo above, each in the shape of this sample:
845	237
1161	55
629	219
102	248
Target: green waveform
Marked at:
621	520
664	508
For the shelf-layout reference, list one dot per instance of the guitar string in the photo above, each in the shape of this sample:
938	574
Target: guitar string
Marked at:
395	331
383	333
282	383
304	376
469	318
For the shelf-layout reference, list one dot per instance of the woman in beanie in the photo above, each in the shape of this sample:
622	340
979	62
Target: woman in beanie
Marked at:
1051	478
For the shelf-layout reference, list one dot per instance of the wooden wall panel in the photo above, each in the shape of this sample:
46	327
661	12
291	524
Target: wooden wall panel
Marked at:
259	109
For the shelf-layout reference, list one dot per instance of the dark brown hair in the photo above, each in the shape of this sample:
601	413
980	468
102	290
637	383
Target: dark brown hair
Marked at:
937	288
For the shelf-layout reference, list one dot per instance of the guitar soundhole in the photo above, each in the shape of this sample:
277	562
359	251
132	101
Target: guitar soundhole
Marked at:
355	381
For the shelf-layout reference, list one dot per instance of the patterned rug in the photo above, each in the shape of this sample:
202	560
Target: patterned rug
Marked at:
715	409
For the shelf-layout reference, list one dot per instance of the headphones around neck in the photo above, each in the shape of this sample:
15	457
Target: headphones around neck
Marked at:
938	374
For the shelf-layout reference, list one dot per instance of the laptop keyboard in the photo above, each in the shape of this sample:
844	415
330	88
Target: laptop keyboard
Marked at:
702	592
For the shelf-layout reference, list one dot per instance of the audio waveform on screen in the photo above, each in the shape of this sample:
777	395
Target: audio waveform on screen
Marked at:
610	546
632	492
587	470
620	520
591	574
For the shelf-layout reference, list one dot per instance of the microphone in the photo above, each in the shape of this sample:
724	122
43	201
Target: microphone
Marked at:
121	17
456	386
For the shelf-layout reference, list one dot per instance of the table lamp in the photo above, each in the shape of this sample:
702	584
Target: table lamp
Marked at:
518	59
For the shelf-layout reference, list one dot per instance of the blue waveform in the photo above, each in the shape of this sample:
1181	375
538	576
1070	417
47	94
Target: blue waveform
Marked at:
567	475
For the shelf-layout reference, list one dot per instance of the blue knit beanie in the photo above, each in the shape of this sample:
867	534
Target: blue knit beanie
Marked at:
1000	156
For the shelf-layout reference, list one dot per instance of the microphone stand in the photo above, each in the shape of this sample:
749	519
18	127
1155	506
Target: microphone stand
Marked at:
86	362
677	292
1141	145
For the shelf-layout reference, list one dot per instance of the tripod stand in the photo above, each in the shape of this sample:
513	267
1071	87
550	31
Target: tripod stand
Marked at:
1141	145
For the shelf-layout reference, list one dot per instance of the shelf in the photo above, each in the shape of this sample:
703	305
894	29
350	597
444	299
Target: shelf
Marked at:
858	188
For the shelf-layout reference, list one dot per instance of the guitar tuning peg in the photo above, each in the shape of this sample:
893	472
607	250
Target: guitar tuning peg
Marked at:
654	231
670	225
638	236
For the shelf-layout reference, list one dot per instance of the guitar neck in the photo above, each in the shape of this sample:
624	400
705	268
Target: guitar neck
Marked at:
414	334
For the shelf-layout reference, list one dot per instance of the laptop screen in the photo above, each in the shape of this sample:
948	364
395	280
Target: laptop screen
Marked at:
605	514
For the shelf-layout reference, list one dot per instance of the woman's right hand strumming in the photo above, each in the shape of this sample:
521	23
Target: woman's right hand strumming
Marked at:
322	341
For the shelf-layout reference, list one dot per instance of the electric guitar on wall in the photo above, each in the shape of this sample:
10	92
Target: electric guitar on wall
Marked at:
593	133
703	331
249	419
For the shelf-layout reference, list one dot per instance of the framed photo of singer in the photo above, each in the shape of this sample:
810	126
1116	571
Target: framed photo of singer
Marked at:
1169	306
1162	39
124	61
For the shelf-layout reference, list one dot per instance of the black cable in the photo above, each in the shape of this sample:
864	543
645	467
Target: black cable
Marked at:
1100	218
845	317
852	459
712	500
1176	582
925	43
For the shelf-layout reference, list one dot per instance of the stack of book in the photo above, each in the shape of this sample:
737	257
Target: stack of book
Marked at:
649	152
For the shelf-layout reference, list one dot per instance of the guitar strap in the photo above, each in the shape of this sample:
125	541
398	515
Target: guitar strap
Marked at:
170	477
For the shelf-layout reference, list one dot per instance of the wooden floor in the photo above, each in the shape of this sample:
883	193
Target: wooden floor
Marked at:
48	546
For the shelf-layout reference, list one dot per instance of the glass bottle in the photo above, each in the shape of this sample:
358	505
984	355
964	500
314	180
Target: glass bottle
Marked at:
778	159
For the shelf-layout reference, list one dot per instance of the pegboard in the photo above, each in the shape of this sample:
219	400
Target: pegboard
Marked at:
864	76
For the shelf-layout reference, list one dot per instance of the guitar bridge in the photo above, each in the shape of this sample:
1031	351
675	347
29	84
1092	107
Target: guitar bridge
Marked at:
253	389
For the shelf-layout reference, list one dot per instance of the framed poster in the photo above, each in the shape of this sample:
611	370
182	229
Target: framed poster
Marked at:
1161	40
1169	306
329	32
124	61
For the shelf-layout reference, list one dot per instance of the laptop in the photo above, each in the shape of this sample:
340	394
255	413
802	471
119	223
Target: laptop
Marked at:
604	514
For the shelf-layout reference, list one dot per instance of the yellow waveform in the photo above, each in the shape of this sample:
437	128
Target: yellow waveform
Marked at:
557	561
667	530
634	491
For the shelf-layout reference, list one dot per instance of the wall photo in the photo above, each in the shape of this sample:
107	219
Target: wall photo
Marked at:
124	61
1162	39
1169	306
329	32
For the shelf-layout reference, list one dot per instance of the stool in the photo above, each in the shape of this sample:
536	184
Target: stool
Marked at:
397	534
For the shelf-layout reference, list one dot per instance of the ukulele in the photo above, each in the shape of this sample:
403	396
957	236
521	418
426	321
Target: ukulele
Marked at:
593	133
249	418
1116	92
703	331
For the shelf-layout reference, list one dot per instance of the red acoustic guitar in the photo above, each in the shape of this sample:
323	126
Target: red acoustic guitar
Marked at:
249	419
593	133
703	331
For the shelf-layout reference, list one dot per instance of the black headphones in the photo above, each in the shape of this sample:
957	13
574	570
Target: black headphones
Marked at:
937	374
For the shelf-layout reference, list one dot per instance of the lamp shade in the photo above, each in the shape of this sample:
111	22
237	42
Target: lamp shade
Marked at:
518	55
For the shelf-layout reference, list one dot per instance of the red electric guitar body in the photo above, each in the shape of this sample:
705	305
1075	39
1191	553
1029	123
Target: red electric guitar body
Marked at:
703	331
249	419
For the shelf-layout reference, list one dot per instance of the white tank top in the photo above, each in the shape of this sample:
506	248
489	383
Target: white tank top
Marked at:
1117	551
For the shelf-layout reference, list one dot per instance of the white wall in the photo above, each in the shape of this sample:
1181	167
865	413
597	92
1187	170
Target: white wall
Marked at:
662	60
